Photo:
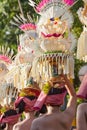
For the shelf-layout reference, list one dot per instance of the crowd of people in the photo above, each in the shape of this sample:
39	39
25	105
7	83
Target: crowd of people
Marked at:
30	113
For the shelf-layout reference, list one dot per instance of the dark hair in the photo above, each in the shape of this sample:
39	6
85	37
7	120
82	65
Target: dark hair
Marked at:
7	114
3	125
20	107
31	97
43	110
56	91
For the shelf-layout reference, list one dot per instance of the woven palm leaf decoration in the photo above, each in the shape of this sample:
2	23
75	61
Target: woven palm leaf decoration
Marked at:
56	39
6	53
81	46
28	49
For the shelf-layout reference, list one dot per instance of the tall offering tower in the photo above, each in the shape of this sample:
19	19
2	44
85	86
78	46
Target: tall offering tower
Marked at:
82	46
55	39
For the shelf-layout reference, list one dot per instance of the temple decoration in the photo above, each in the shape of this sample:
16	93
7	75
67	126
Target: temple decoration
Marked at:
82	47
56	40
27	50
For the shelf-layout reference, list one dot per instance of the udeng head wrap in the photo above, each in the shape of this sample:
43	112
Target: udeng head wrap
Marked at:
25	95
51	98
10	118
28	103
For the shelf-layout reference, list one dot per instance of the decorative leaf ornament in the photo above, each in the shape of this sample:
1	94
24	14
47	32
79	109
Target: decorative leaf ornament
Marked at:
19	20
57	21
6	54
44	4
82	45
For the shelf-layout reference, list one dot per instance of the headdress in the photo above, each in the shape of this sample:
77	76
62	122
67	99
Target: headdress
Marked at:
28	103
54	97
29	91
9	116
26	93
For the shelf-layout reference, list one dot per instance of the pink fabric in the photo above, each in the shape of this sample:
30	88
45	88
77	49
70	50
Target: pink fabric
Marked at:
68	2
29	103
9	119
40	101
5	59
56	99
51	35
82	92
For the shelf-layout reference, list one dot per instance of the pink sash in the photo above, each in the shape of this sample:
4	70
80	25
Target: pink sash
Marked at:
9	119
43	98
56	99
29	103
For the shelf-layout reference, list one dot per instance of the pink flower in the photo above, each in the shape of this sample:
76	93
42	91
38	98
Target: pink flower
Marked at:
5	59
41	5
68	2
27	26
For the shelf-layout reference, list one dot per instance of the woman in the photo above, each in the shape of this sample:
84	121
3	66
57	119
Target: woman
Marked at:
25	104
81	117
8	119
